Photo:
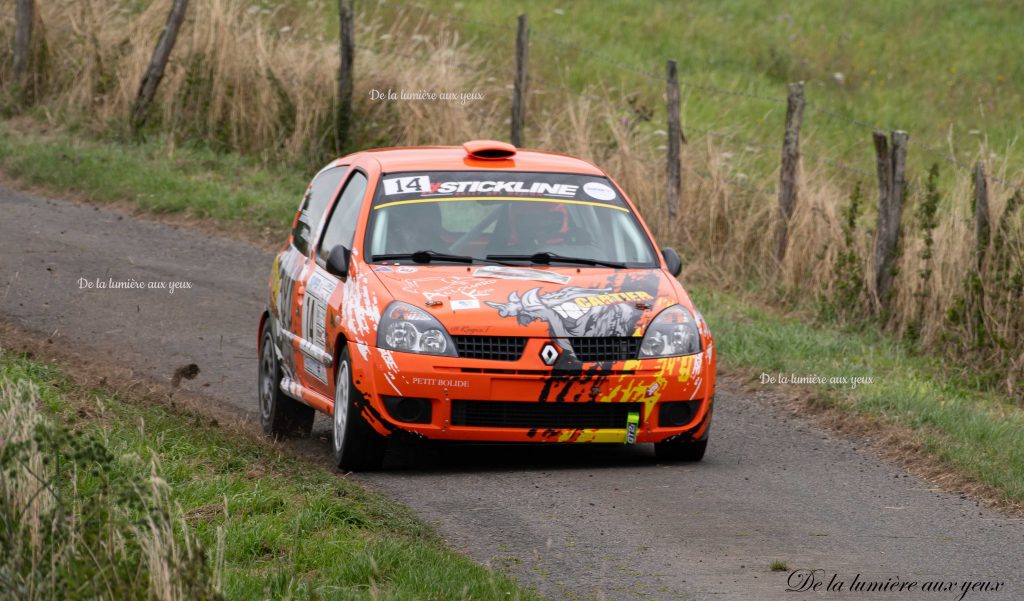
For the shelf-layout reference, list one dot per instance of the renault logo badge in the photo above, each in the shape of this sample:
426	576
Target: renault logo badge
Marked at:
549	354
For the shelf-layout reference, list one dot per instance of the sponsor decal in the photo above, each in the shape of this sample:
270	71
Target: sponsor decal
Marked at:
520	273
615	297
275	283
382	269
288	268
315	369
406	269
498	187
422	186
444	186
441	382
321	285
574	311
445	287
462	304
360	310
599	191
314	320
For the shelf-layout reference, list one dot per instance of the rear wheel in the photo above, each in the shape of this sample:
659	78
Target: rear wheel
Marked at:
680	451
280	415
356	445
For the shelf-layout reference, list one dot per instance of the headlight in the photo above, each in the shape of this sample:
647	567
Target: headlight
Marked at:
410	330
672	333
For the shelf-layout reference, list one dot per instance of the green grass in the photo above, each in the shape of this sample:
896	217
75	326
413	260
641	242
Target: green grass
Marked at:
944	71
236	191
980	435
293	530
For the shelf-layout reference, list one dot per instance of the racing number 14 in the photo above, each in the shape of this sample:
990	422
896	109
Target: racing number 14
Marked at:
407	185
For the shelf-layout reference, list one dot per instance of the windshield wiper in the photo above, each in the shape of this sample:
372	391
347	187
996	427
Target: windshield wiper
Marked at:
546	258
426	256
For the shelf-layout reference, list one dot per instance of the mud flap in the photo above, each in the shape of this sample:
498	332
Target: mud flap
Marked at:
632	425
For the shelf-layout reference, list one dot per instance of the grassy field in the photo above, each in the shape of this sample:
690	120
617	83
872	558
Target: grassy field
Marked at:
977	435
236	191
271	526
948	74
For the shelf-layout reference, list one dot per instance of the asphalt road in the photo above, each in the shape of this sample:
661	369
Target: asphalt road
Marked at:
573	522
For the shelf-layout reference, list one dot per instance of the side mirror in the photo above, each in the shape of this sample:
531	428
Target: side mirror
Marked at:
672	261
338	260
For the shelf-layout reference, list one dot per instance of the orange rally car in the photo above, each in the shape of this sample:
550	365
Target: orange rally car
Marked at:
480	293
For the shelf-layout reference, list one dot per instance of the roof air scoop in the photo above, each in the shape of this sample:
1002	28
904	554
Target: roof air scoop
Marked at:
489	150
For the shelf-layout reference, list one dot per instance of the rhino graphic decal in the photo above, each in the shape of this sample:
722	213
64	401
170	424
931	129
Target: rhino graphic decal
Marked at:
574	311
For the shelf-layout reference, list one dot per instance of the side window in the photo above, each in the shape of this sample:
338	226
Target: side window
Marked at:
318	195
342	225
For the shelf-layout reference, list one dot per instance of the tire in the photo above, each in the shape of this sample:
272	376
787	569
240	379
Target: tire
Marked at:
356	446
681	451
280	415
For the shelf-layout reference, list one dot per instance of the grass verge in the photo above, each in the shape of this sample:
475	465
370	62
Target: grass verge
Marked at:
236	192
980	436
274	527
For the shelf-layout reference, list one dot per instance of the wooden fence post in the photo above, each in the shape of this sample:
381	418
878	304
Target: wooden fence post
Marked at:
23	15
346	53
675	139
981	216
790	161
519	84
891	166
155	71
981	238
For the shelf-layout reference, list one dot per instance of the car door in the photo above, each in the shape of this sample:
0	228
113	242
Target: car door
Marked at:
338	228
295	263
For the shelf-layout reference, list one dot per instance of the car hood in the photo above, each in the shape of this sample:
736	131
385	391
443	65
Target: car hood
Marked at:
559	302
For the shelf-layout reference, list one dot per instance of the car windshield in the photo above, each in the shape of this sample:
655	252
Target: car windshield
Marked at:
508	217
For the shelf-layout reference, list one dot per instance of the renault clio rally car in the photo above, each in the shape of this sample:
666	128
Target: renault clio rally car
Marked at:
480	293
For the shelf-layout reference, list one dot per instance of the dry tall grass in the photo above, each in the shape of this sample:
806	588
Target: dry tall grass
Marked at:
60	541
242	80
239	82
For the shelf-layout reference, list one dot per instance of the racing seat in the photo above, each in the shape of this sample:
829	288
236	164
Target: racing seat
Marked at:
528	227
415	226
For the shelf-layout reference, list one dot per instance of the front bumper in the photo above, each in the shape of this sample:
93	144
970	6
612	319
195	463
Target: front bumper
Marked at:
450	384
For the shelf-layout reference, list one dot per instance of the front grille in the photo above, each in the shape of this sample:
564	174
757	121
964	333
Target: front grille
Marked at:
606	348
531	414
495	348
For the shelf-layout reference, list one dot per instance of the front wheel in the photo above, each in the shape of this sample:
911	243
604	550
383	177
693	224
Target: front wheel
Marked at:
355	444
280	415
